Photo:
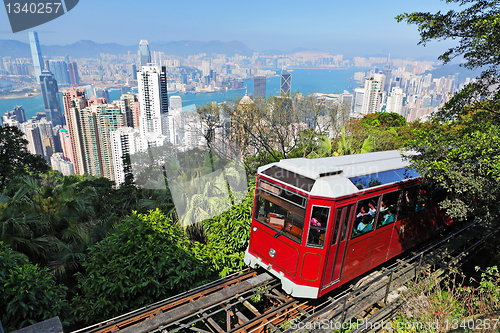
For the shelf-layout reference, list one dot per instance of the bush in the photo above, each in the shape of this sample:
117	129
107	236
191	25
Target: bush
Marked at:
146	259
29	293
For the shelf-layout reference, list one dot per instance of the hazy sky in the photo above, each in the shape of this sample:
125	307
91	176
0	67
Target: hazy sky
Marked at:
348	27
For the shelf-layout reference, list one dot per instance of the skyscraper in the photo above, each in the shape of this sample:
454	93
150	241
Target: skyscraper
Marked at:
373	93
205	67
60	70
144	53
36	54
73	73
51	98
74	101
153	100
259	87
286	82
124	140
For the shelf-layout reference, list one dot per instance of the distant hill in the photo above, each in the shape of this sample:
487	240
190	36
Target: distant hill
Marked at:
90	49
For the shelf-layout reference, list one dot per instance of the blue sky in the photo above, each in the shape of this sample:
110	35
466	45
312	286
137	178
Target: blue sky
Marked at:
349	27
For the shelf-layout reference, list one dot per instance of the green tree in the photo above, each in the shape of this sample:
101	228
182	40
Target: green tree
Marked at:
459	150
15	160
476	29
145	259
29	293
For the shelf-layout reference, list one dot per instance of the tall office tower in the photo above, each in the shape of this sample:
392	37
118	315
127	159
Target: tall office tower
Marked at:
127	107
133	71
50	94
73	73
395	101
15	115
259	87
286	82
36	54
153	100
359	95
47	138
205	67
60	70
144	53
32	134
74	101
124	140
373	93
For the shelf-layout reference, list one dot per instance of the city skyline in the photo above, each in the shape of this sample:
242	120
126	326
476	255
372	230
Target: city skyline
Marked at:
344	28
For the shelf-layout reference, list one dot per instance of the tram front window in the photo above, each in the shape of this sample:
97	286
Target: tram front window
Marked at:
279	214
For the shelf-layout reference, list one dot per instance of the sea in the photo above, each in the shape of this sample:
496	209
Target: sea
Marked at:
305	81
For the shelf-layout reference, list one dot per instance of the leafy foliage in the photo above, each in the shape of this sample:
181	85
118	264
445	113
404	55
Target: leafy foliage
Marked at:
228	235
463	158
29	293
15	160
476	28
144	260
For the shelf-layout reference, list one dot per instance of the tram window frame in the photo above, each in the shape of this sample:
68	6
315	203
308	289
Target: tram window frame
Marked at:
322	229
292	214
372	221
345	226
408	203
393	207
341	223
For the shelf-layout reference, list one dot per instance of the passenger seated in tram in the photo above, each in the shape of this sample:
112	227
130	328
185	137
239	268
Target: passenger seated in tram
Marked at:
315	225
388	217
372	209
362	212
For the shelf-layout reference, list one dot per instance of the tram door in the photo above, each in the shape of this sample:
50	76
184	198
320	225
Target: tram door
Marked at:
337	247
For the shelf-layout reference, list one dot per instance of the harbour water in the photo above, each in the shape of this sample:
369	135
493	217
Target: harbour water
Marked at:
303	80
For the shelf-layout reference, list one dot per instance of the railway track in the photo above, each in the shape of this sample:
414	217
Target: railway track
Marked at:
225	305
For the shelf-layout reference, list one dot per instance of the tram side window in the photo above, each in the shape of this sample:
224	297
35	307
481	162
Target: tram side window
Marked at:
317	226
280	215
409	200
366	214
388	208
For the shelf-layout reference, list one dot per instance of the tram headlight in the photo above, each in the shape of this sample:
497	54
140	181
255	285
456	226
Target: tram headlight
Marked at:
254	229
272	253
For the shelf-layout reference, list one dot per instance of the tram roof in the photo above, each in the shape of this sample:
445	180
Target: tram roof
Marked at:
339	176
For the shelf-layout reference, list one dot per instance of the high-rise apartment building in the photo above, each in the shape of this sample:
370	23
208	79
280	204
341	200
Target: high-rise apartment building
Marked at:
286	82
36	55
205	67
74	101
359	96
51	98
124	140
108	119
153	100
395	101
374	87
259	87
127	104
144	53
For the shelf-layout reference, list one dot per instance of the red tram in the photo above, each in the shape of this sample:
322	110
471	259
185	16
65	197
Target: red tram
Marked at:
319	223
